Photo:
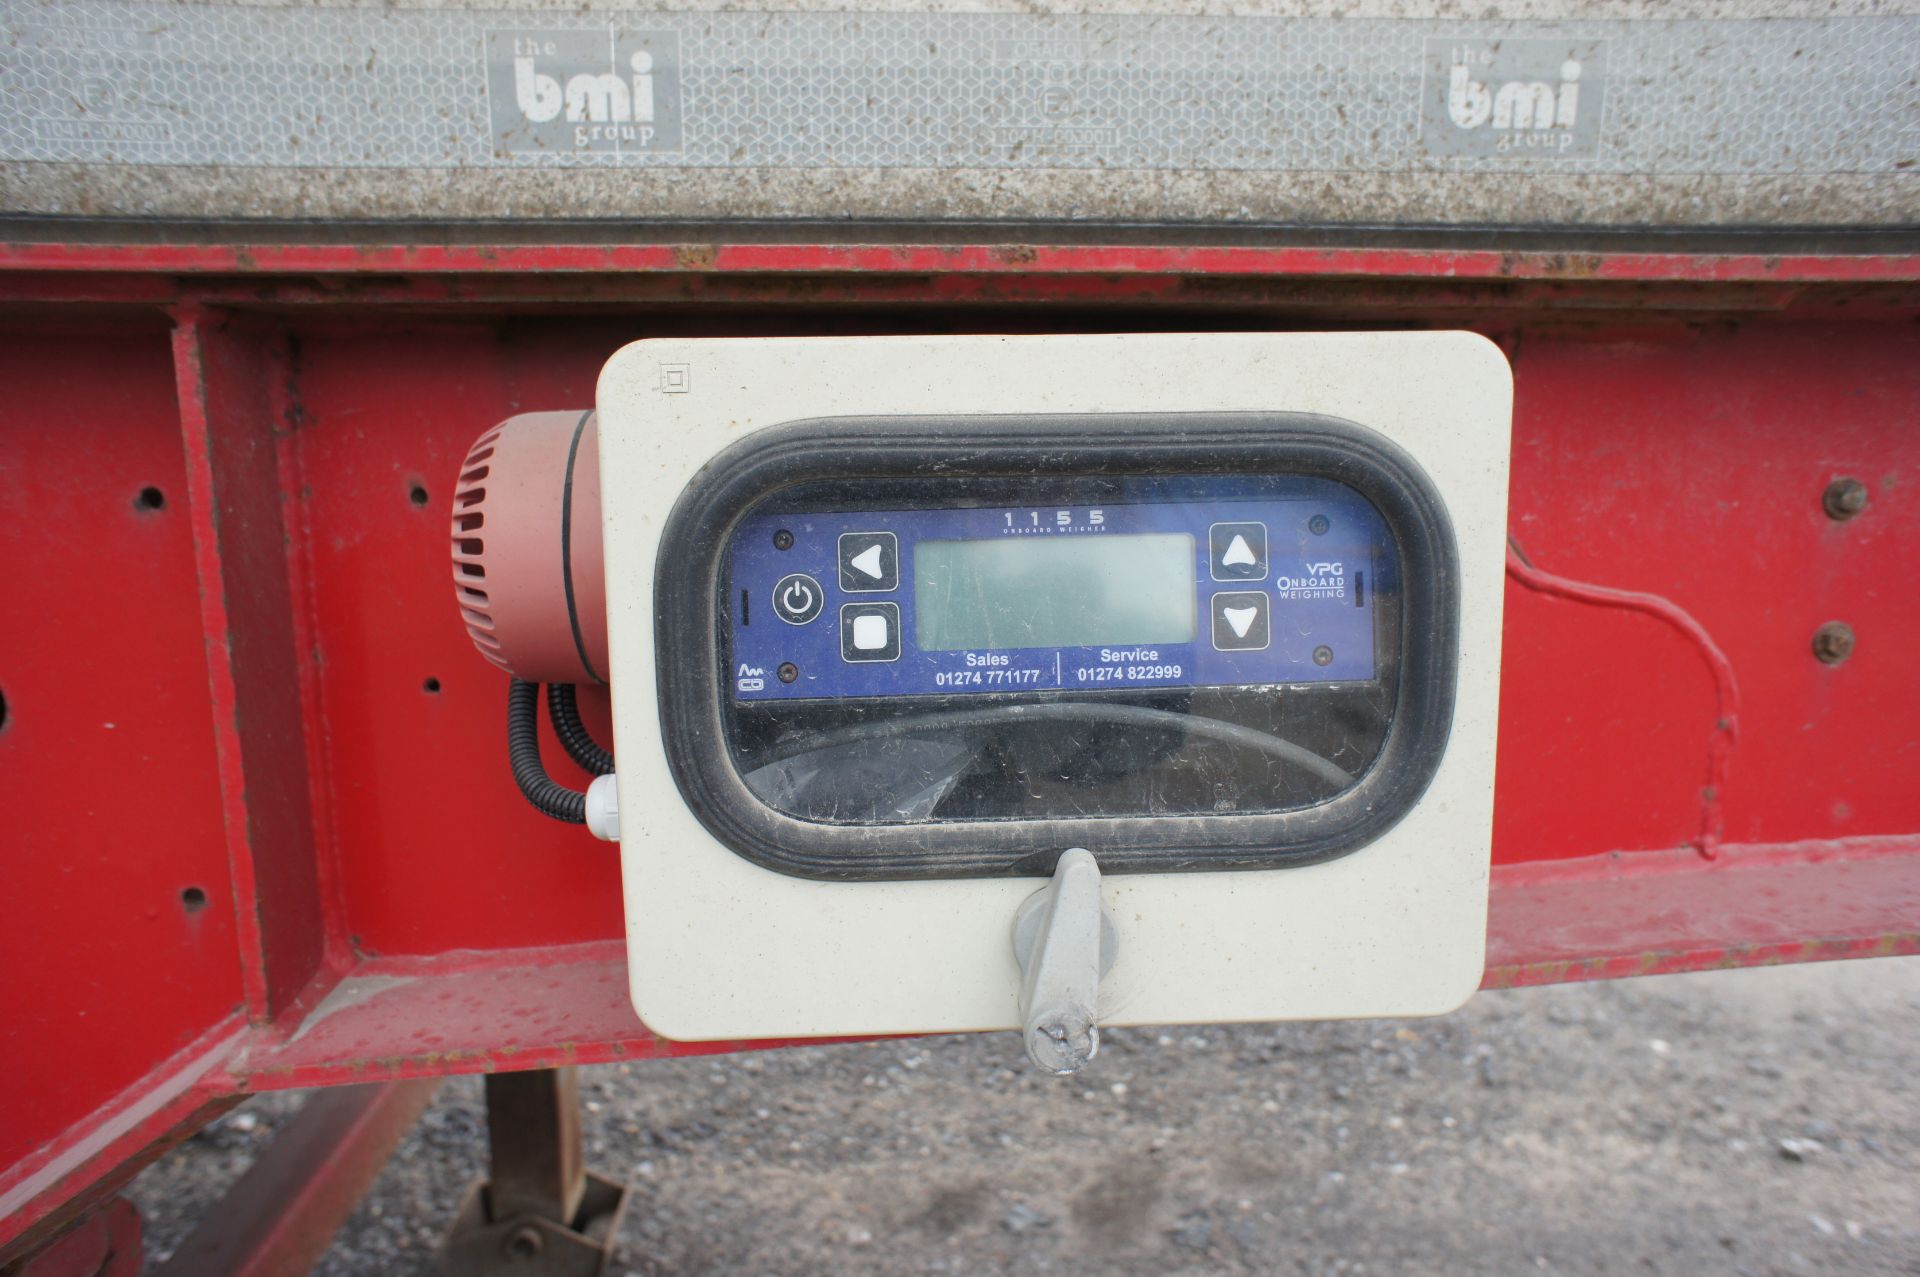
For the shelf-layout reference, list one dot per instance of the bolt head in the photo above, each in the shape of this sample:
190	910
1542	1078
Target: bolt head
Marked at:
1833	642
1844	498
524	1243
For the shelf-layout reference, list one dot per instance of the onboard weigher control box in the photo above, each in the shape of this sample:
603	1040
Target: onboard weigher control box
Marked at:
896	622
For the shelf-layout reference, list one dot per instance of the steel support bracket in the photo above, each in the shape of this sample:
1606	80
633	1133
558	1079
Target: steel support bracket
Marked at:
542	1213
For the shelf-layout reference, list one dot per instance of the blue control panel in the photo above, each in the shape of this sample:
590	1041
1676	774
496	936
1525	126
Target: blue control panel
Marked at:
1170	583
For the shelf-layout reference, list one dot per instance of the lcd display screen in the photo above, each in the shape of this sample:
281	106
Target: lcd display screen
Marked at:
1054	591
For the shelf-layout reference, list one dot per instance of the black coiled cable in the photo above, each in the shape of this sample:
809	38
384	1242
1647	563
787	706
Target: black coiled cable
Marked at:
574	737
523	751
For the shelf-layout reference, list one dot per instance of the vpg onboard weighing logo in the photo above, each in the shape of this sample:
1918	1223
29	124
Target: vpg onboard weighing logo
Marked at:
583	92
1513	97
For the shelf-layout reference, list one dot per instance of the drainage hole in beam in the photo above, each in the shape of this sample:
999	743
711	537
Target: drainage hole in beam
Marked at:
193	899
150	498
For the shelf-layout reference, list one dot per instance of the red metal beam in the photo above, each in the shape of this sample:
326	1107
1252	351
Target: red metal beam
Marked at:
1655	912
232	415
475	1012
279	1218
1596	917
258	259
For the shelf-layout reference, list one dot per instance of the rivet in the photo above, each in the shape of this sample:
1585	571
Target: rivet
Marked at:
1833	642
1844	498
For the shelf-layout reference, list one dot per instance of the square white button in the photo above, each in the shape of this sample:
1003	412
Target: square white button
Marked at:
870	632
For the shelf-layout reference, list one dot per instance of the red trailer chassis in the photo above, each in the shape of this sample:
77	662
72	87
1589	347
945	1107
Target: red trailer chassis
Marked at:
260	831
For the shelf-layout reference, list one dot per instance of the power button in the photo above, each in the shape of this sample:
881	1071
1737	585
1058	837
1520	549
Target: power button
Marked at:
797	598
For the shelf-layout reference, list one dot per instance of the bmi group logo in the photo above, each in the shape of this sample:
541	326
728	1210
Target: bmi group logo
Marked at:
1519	98
584	92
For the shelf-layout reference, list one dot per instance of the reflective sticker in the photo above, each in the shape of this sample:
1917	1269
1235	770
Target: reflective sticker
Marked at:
97	81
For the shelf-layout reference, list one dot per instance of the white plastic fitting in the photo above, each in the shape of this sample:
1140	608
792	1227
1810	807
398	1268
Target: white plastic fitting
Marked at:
603	809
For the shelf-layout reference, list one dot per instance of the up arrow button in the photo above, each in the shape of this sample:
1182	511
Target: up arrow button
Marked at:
1237	551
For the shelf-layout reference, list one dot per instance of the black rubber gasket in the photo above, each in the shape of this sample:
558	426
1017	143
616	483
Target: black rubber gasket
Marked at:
689	611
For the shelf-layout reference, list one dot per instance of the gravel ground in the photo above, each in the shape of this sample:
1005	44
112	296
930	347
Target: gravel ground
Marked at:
1739	1122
